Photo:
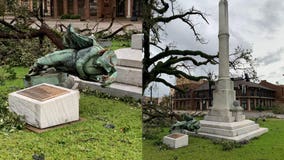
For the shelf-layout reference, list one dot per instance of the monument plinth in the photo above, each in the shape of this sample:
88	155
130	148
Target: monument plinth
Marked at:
45	105
176	140
225	119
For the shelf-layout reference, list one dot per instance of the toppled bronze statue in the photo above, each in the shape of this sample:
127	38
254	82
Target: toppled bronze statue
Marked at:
83	57
188	123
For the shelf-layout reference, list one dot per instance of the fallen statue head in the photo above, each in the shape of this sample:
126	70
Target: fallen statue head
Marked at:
83	57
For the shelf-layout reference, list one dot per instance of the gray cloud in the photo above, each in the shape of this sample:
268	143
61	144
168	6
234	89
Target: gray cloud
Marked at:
271	57
271	16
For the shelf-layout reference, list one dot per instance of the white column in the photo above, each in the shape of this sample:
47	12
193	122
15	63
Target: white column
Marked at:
128	9
224	94
223	40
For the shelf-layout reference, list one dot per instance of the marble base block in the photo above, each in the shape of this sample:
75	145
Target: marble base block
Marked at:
46	105
137	41
235	131
176	140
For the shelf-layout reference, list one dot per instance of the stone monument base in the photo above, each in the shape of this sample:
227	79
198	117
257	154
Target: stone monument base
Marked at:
46	105
176	140
235	131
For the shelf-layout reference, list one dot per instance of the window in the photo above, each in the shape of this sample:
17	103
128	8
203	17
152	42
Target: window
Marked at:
244	103
244	90
252	92
93	7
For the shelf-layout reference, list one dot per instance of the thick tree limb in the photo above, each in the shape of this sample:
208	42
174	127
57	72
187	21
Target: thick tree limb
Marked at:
108	28
181	53
6	24
161	10
117	31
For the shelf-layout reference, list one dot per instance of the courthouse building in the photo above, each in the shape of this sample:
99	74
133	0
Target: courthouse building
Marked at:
87	9
251	95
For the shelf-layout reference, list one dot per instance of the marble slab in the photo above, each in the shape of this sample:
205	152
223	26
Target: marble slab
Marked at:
137	41
46	105
176	140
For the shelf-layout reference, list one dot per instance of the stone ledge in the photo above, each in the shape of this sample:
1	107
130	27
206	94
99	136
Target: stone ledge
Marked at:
229	133
225	125
236	131
132	76
115	89
239	138
129	57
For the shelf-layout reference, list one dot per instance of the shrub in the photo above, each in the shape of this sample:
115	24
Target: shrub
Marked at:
228	145
278	108
23	52
6	73
70	16
9	121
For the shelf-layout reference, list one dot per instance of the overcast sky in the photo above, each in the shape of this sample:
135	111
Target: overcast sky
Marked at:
254	24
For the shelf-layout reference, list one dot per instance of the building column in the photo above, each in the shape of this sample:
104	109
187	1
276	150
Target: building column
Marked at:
248	104
207	104
75	7
87	9
129	4
30	5
200	105
55	9
65	7
254	103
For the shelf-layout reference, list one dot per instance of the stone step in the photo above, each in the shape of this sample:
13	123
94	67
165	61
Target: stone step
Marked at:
229	132
115	89
238	138
129	57
127	75
225	125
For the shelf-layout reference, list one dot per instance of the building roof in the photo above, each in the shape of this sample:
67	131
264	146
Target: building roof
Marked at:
237	83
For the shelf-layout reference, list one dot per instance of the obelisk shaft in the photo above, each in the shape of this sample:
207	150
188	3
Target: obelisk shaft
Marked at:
224	94
223	40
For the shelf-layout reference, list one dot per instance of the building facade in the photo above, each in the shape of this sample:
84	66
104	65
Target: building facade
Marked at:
279	90
87	9
252	96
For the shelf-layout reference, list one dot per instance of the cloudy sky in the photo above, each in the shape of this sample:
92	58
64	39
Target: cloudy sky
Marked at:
254	24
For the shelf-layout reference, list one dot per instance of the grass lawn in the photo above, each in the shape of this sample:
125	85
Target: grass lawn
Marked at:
269	146
88	139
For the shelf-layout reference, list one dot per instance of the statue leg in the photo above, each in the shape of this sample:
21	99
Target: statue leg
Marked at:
62	60
57	58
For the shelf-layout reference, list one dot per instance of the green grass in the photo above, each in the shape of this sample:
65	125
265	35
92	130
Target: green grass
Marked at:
88	139
269	146
118	43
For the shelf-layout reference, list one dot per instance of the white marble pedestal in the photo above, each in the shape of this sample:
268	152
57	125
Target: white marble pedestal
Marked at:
176	140
234	131
46	105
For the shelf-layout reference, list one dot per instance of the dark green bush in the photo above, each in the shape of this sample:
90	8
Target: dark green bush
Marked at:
228	145
278	109
9	121
70	16
23	52
6	73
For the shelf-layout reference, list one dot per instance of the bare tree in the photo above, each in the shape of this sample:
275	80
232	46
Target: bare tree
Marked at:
169	61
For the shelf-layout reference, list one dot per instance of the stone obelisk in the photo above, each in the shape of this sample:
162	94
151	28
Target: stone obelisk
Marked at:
224	94
225	119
